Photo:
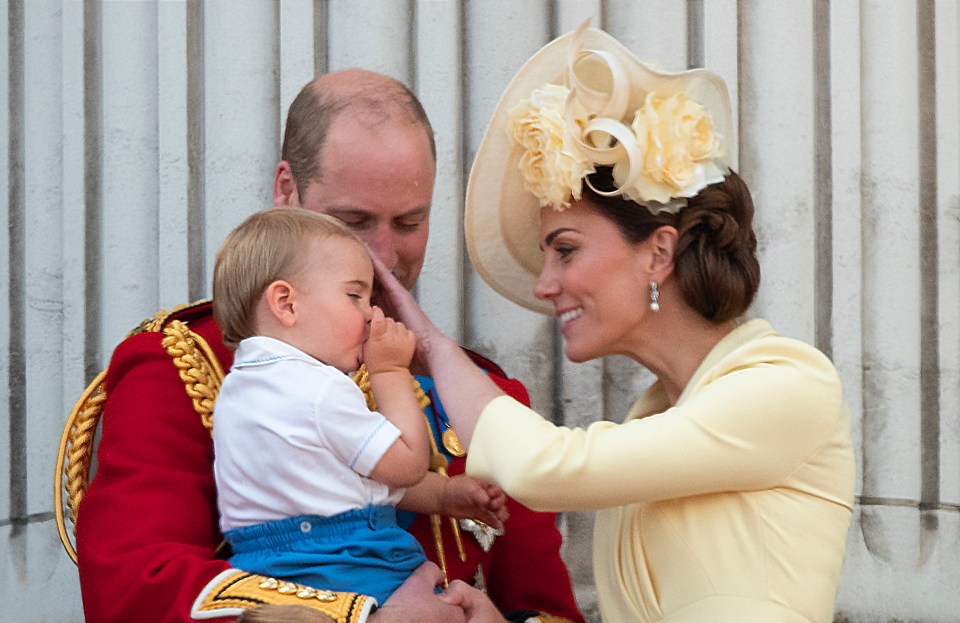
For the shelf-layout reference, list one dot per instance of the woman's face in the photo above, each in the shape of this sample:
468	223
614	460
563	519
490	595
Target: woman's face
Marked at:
595	279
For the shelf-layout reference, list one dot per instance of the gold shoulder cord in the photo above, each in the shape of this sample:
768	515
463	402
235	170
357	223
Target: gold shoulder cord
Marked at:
201	374
199	368
76	446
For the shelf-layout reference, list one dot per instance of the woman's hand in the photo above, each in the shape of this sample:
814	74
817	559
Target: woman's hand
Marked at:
464	388
397	302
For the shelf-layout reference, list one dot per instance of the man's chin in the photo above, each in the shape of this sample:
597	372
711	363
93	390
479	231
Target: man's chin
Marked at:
408	275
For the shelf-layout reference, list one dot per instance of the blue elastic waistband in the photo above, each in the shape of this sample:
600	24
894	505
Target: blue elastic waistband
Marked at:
272	534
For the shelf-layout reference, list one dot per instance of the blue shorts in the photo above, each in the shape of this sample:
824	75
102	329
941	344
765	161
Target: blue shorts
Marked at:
361	550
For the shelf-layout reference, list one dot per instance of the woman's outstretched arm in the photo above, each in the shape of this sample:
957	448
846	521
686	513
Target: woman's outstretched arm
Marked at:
464	388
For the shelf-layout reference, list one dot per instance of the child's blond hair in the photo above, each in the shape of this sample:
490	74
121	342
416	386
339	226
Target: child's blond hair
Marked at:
268	246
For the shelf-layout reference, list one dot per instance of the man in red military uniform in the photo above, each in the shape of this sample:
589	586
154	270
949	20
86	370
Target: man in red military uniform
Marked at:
357	146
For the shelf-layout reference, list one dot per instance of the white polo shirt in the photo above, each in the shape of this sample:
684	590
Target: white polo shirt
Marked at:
294	436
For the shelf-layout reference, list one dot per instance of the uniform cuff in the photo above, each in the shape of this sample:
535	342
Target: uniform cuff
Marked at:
233	591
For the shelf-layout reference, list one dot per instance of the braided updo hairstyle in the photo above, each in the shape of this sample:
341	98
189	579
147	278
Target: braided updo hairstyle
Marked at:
715	262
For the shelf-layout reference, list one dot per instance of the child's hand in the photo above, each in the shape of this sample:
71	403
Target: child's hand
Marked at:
497	503
466	498
389	346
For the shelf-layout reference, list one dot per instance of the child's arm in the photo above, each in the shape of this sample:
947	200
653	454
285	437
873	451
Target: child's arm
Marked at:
459	496
387	353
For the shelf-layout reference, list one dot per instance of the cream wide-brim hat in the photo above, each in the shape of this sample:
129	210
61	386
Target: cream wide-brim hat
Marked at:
502	218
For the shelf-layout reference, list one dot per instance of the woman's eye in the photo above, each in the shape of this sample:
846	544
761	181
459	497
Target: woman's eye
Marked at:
563	250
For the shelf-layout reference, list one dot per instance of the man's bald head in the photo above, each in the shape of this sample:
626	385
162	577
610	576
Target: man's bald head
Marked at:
372	98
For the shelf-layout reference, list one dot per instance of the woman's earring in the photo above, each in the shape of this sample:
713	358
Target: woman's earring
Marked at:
654	297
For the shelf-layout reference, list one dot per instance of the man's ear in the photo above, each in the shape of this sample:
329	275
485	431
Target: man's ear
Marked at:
279	297
662	245
285	187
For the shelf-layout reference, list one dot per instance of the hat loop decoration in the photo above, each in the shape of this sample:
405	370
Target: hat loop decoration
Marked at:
610	106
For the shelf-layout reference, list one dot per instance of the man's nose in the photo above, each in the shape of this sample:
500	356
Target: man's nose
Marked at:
382	243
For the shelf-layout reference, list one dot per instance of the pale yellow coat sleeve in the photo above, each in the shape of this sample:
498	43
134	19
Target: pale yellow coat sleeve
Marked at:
731	506
746	421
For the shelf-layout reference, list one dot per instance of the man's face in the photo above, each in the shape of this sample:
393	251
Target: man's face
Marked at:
379	182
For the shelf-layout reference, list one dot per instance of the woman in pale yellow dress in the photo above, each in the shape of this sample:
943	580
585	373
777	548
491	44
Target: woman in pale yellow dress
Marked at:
602	194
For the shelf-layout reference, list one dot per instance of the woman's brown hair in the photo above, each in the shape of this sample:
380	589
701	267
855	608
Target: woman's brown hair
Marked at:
715	262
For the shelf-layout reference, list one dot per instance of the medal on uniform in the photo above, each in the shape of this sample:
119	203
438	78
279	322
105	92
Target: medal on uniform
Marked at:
449	438
452	443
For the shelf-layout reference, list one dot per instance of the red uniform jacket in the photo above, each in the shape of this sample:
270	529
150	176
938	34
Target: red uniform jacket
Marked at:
147	528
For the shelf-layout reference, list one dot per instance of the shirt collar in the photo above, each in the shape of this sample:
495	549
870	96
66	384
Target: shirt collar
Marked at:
260	350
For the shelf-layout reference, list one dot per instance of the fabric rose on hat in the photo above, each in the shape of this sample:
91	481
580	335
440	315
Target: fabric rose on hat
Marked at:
552	165
679	144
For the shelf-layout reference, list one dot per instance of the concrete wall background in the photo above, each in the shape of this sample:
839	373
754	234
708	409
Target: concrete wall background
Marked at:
140	132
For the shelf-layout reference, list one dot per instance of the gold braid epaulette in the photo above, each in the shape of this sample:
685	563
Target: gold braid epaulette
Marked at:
196	363
198	367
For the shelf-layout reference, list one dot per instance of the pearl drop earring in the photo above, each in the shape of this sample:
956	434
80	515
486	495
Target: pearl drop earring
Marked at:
654	297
